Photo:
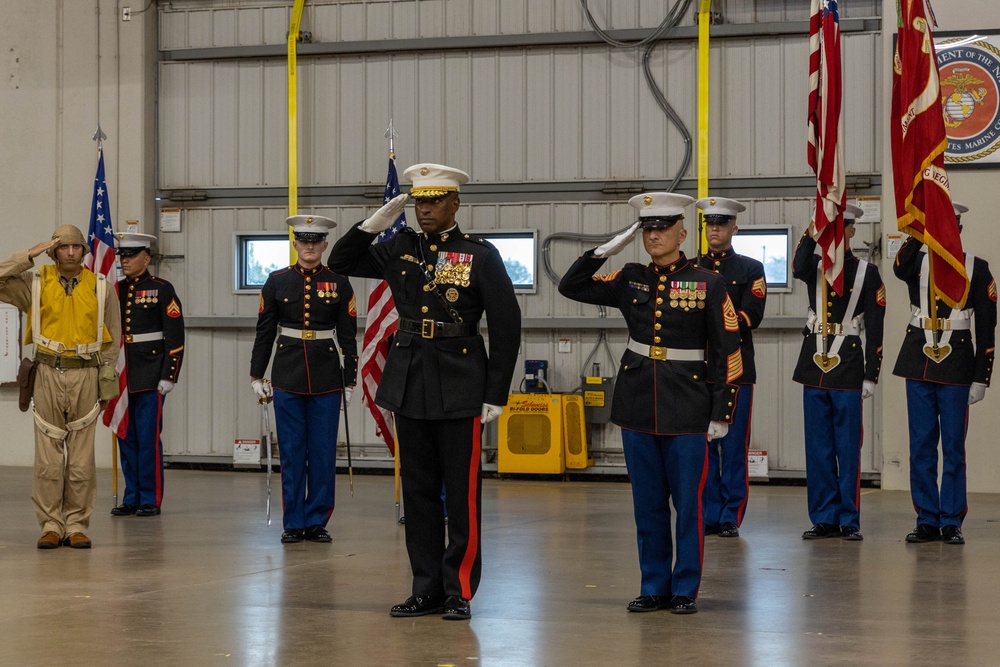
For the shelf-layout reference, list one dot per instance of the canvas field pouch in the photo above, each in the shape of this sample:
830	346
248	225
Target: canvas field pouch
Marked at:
26	383
107	380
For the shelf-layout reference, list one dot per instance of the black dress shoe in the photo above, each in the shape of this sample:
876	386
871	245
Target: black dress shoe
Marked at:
952	535
293	536
318	533
419	605
147	510
711	529
456	609
681	604
649	603
820	531
729	529
924	533
851	533
123	510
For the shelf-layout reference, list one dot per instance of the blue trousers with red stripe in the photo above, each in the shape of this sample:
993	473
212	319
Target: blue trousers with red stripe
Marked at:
307	427
833	434
665	467
938	411
435	453
728	484
142	451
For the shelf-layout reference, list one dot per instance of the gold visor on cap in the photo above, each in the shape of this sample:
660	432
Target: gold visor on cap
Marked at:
432	191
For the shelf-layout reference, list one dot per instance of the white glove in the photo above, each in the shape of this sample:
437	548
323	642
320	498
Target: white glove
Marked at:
977	392
383	218
348	392
262	389
615	245
717	430
164	387
490	412
867	389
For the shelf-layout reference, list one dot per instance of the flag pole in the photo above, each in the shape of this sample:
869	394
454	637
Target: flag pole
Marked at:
391	135
99	136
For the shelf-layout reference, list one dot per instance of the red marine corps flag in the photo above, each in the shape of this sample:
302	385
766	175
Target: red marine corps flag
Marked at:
826	151
923	198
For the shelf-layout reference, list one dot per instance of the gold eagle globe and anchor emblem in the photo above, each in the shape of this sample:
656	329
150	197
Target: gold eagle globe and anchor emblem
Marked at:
970	99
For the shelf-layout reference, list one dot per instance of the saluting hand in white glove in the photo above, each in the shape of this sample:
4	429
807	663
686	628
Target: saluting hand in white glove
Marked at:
164	387
717	430
977	392
615	245
490	412
383	218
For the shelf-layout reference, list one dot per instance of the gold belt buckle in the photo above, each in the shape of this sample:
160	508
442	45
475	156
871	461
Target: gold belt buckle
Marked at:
935	323
128	338
831	329
427	329
658	353
308	334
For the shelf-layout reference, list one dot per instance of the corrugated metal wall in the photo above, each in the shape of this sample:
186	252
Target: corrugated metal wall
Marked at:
510	115
529	115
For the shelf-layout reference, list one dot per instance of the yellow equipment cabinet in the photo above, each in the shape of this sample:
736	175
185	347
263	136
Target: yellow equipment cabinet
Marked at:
530	435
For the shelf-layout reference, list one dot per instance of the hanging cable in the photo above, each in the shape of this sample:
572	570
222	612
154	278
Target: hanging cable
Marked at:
649	42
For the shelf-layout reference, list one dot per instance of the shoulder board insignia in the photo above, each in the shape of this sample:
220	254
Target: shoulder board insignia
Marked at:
734	367
174	308
352	307
880	295
639	286
992	290
759	288
729	319
608	277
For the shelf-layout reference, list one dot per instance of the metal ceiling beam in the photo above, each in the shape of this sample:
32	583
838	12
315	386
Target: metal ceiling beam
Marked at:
526	40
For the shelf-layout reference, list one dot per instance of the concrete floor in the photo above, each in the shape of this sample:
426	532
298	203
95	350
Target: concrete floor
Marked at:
208	583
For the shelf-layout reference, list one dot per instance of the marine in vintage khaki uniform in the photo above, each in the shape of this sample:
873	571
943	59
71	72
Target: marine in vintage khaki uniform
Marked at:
73	322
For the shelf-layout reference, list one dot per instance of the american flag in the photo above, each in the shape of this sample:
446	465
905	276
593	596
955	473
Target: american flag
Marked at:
826	151
382	323
918	139
101	260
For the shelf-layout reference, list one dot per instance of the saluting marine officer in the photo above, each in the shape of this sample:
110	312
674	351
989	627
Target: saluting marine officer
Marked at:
438	379
305	307
728	482
153	331
945	373
838	374
675	385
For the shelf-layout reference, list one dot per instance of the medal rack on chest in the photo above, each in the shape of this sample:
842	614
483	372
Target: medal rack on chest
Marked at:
451	275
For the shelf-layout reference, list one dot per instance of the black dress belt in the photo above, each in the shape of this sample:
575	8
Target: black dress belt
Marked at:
432	329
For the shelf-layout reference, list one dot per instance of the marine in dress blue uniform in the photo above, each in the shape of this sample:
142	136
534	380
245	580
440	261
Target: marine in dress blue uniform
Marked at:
153	332
438	379
728	484
676	383
946	371
838	371
304	309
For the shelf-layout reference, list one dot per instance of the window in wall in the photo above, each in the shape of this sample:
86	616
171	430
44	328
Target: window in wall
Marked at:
257	255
